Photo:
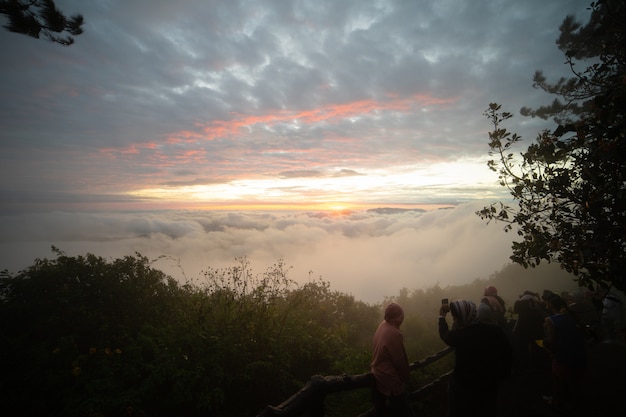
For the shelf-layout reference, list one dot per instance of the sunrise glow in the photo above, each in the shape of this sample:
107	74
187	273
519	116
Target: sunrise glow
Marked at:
325	106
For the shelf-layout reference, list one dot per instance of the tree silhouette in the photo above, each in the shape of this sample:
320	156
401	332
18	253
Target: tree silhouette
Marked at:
571	183
38	18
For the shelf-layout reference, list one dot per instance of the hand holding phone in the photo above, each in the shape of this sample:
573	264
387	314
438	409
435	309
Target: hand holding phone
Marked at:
445	306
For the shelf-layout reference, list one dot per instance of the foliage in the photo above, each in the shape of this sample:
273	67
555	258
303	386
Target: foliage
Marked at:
86	336
601	42
41	18
64	320
570	184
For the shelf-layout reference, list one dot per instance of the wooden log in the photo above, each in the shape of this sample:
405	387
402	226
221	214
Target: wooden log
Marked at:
310	399
419	394
428	388
430	359
348	382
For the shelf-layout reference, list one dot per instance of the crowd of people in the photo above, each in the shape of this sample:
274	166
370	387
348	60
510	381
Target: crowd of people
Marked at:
548	332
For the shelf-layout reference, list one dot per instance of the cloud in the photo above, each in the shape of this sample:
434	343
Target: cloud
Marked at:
239	103
241	90
190	182
347	173
366	253
299	174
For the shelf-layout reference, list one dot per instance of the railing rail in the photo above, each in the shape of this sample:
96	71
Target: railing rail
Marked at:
310	399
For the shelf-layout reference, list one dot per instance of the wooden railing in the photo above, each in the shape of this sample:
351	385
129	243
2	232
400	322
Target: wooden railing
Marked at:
309	400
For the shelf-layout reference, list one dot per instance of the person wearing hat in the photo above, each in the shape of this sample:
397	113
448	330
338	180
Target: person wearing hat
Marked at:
483	357
390	366
492	307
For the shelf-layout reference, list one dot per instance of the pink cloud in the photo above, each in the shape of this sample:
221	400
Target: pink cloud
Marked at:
331	113
229	128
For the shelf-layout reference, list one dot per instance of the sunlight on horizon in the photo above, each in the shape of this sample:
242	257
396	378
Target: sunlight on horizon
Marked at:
405	186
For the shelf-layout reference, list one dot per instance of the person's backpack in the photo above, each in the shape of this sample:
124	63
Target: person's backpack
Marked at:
497	315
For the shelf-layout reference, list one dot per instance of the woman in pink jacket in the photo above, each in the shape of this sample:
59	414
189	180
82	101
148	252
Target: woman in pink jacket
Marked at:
390	366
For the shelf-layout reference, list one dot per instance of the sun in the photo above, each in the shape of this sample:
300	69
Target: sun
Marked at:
337	207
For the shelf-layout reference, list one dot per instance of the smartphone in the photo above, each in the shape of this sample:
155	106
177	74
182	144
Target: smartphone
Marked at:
444	303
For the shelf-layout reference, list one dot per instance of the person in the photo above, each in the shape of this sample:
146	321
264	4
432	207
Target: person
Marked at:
492	307
483	358
390	366
611	316
611	313
565	342
587	315
528	328
545	296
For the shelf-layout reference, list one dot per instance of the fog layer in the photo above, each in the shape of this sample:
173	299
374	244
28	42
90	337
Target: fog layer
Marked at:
367	254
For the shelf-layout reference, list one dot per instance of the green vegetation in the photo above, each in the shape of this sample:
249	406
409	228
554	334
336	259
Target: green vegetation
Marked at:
85	336
82	336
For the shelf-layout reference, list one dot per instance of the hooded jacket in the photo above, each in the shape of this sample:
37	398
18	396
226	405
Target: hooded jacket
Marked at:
390	365
483	355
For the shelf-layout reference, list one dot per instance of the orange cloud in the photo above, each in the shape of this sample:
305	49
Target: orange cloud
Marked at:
331	113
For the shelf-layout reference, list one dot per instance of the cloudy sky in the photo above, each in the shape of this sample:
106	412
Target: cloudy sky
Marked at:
261	105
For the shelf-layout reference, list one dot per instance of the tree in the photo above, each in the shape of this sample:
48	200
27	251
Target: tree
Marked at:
85	335
41	18
570	185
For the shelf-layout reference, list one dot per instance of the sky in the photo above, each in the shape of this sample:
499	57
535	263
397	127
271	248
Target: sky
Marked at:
271	126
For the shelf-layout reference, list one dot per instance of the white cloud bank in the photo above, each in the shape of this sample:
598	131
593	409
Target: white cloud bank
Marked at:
366	254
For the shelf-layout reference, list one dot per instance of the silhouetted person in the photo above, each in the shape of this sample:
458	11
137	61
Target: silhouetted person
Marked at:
588	315
390	366
545	296
492	307
483	358
566	344
528	328
611	314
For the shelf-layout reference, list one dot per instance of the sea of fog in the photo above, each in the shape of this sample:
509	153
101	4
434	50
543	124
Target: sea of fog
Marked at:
369	254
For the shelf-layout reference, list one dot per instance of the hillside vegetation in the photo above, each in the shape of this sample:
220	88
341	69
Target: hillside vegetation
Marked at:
86	336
